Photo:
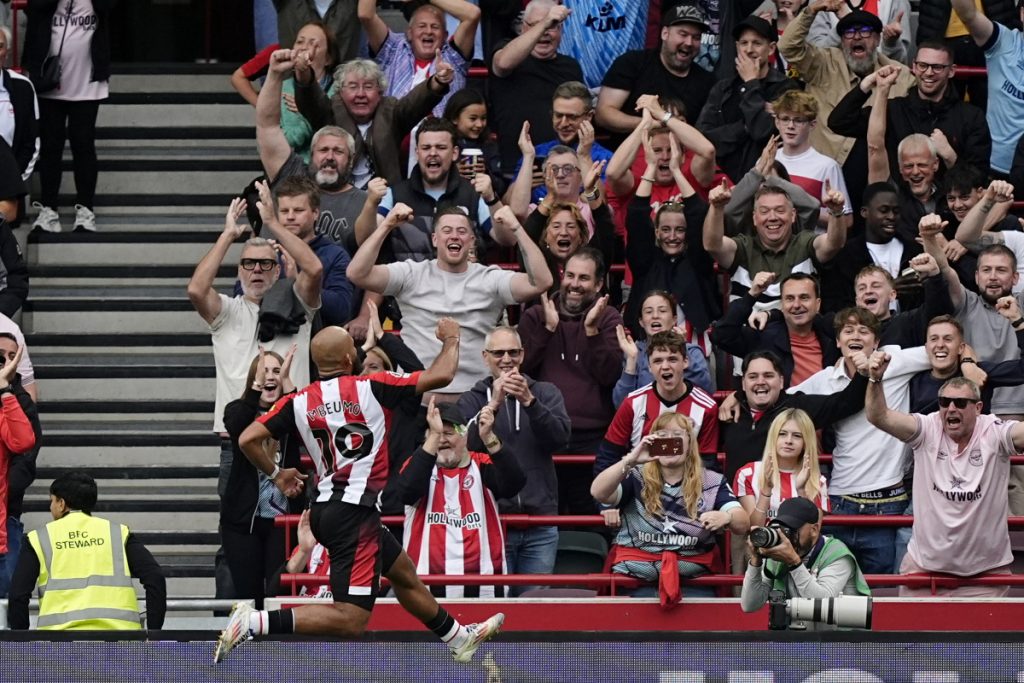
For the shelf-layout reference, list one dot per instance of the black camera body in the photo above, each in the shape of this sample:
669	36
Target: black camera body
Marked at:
771	535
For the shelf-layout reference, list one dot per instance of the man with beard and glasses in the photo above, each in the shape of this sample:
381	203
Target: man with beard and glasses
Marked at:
331	153
829	73
570	341
378	124
426	289
933	107
774	247
668	71
434	183
895	16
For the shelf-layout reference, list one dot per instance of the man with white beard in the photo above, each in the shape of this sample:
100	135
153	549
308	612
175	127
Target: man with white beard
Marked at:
830	72
330	162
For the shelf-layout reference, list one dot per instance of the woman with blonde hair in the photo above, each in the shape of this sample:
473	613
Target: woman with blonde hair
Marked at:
671	508
788	469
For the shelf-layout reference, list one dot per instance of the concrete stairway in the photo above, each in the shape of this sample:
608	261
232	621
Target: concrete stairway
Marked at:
124	364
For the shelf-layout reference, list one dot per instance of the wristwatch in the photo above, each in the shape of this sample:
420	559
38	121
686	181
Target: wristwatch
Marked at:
666	118
273	475
494	443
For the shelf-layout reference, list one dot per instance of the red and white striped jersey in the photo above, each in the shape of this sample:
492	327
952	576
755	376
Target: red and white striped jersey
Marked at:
343	421
455	528
319	564
641	408
749	476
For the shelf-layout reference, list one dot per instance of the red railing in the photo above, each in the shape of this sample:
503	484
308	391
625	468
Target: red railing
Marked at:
612	582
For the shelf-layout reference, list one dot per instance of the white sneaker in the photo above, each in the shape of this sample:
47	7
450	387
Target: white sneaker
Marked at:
235	633
85	219
478	634
48	219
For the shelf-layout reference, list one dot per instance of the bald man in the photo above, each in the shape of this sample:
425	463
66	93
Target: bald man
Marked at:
342	419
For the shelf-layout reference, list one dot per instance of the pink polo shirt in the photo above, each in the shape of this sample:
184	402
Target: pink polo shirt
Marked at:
960	501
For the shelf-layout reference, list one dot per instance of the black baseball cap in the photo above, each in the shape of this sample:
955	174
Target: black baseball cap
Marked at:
859	17
795	512
451	414
765	29
686	14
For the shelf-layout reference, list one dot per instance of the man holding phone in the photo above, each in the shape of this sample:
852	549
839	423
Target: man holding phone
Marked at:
669	392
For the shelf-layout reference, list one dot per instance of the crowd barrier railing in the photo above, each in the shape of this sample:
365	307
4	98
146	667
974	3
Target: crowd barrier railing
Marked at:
613	582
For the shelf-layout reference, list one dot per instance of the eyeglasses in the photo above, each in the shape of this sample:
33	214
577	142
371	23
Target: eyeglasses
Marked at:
360	87
263	263
795	120
960	403
571	118
566	170
501	353
925	67
858	32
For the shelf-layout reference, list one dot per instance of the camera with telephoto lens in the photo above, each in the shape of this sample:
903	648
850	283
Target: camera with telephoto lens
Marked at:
844	611
771	535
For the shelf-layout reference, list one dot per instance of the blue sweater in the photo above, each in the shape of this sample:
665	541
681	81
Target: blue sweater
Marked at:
697	372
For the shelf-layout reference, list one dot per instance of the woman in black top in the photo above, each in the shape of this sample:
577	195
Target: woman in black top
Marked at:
253	545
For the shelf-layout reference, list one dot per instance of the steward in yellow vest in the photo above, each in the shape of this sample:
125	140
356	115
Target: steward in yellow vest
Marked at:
83	567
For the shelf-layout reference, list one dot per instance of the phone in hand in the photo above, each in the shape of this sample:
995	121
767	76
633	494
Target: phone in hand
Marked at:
667	446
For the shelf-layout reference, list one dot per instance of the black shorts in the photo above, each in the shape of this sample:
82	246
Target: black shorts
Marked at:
358	545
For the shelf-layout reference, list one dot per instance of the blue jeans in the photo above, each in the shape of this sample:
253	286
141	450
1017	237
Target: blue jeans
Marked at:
530	551
264	24
874	547
903	536
8	560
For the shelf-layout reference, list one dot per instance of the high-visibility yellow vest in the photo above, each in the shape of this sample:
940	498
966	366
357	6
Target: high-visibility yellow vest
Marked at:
84	581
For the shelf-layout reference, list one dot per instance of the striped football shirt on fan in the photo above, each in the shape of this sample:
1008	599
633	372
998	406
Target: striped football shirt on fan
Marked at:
455	528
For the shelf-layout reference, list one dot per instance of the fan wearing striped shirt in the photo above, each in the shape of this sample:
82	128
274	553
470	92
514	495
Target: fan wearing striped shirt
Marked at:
788	469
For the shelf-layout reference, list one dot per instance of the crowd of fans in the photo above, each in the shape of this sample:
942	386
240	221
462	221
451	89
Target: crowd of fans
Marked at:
795	201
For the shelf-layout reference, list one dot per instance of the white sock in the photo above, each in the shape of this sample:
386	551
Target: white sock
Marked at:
456	637
259	623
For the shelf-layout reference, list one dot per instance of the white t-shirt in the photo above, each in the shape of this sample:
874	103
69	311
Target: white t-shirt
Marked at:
887	255
748	480
960	503
76	82
235	344
810	169
866	458
476	298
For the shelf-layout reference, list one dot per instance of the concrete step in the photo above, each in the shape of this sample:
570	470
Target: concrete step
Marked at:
113	290
193	587
126	247
151	521
88	389
147	489
102	343
104	455
121	425
157	220
184	182
98	321
198	151
175	115
141	83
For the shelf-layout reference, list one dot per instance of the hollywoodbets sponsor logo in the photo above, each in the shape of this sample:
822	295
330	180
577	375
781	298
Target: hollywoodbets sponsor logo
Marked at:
959	496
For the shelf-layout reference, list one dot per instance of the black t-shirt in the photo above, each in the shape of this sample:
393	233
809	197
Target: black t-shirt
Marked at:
525	95
640	72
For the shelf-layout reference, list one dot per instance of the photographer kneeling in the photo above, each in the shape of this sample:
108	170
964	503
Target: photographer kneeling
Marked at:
791	555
